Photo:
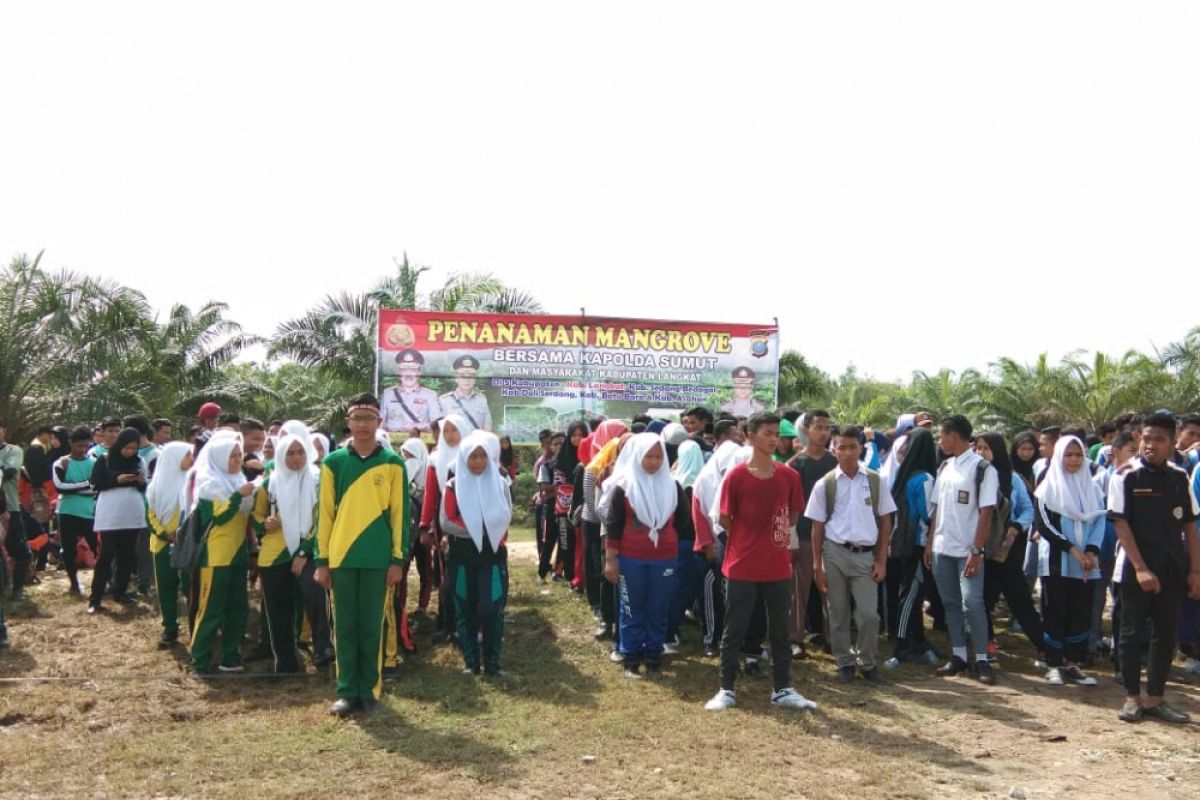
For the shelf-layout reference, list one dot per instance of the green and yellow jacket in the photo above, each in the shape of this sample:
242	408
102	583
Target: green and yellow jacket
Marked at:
362	510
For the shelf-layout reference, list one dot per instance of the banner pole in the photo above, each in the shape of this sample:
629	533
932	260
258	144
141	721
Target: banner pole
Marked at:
582	369
777	356
378	347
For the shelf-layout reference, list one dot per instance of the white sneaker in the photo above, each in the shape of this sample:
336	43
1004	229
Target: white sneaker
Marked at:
1054	677
790	698
722	700
670	648
1192	666
1041	664
891	663
616	657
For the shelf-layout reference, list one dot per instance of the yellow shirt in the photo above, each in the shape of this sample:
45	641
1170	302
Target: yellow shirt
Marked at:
159	531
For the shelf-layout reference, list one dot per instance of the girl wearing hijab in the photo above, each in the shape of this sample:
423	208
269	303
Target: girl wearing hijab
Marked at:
398	632
222	499
596	462
685	468
569	535
1071	514
709	542
284	509
119	481
163	496
475	520
912	491
1024	455
416	465
1008	577
646	509
453	429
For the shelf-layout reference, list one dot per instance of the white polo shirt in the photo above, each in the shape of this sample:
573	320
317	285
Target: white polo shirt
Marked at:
958	507
853	521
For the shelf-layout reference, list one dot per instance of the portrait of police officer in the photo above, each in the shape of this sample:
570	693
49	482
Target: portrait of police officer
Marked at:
409	405
464	399
743	403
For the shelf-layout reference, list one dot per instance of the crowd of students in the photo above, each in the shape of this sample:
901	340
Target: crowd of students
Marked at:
783	531
766	528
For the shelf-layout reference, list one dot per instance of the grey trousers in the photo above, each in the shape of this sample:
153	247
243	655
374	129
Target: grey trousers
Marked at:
849	576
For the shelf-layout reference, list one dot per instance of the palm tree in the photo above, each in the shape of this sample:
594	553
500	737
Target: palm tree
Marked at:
338	336
58	331
800	383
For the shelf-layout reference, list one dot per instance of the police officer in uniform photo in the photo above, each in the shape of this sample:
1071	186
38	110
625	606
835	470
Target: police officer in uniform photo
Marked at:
409	405
465	400
743	403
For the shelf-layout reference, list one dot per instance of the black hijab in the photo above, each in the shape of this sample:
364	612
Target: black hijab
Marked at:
1000	461
568	454
117	464
920	455
1020	466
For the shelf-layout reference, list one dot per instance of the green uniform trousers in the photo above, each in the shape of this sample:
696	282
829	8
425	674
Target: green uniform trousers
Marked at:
221	604
166	583
359	596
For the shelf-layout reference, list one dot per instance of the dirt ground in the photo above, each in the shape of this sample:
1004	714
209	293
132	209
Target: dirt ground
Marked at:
116	717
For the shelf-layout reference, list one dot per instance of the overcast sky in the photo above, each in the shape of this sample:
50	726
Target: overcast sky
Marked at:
904	185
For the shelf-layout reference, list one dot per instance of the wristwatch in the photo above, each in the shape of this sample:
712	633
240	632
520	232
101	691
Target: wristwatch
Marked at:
977	551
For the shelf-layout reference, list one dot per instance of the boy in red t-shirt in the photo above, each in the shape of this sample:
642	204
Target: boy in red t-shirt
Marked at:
760	504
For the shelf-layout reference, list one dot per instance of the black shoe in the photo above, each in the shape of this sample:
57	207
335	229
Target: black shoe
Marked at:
1164	712
94	608
753	668
799	653
874	675
369	706
75	591
951	668
4	641
985	673
391	673
127	601
324	659
167	639
844	675
345	706
233	665
18	594
495	674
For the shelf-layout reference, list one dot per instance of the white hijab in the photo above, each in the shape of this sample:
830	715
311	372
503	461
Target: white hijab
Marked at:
1073	495
446	456
294	492
741	456
384	440
704	490
483	500
652	497
416	461
166	487
891	465
321	439
214	481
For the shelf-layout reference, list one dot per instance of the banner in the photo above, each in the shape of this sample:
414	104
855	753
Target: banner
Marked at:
516	374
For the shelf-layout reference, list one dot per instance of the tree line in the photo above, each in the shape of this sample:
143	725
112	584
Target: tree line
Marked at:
74	348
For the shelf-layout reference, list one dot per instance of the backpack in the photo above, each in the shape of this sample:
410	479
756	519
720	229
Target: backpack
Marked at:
994	548
831	495
189	543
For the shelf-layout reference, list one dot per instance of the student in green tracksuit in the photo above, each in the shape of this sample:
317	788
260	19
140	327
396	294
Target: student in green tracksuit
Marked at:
163	496
361	548
222	501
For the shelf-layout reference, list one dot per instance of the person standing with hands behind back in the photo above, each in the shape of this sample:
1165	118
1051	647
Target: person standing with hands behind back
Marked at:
362	544
760	504
1155	514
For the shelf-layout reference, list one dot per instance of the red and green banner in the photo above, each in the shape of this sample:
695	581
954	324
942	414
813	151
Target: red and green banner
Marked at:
516	374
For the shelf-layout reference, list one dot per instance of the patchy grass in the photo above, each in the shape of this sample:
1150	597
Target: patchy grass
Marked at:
129	722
